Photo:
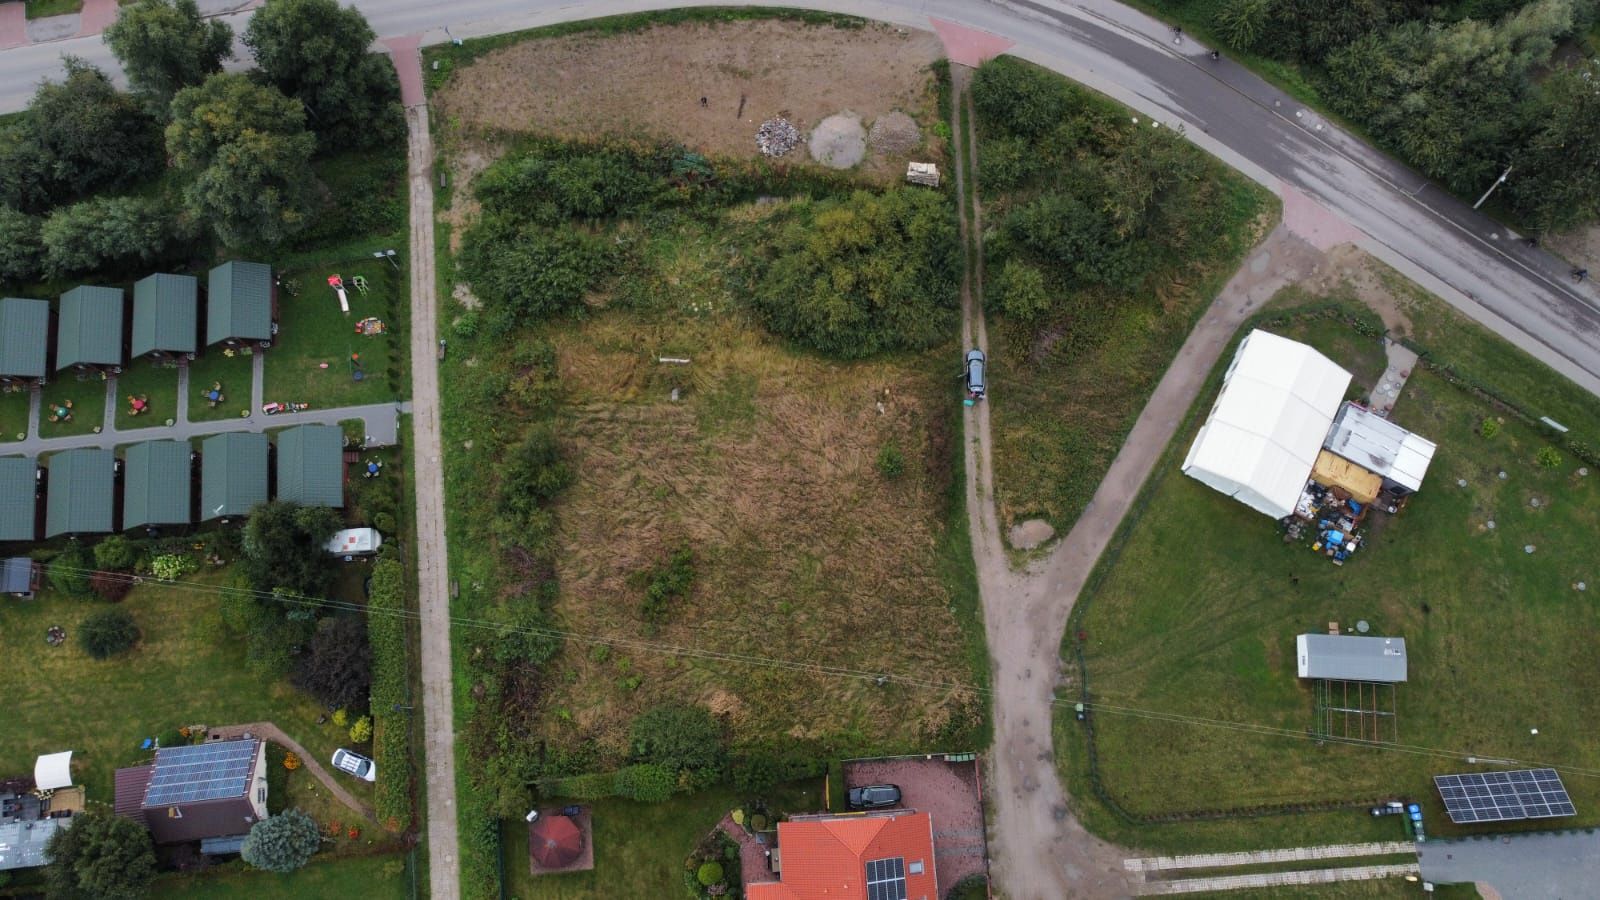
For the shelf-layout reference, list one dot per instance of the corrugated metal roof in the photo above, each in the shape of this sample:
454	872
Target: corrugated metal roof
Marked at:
311	465
16	575
24	336
80	499
156	484
233	474
239	302
90	329
1380	446
1341	657
18	487
165	314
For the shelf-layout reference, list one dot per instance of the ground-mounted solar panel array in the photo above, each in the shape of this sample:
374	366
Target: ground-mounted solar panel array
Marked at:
886	879
201	772
1504	796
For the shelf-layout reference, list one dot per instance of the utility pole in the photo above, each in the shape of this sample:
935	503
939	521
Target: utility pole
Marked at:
1497	182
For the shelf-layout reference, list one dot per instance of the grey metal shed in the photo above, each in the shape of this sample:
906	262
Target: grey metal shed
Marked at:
1340	657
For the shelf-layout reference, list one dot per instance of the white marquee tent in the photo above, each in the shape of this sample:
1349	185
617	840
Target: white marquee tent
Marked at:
1258	445
53	770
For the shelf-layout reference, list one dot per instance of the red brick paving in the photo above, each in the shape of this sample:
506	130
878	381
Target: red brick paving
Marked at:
752	856
408	65
13	25
1313	222
949	793
969	46
96	16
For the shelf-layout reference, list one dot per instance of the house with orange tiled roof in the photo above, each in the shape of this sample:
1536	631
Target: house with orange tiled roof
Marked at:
875	856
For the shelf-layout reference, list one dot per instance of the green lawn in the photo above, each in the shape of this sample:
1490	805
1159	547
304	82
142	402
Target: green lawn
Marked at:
185	670
377	876
157	383
233	372
13	415
39	9
88	396
315	333
639	848
1195	609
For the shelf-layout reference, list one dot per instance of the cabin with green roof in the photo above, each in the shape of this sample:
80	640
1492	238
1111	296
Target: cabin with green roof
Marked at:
24	339
241	302
89	329
19	498
233	474
80	494
165	316
311	465
157	485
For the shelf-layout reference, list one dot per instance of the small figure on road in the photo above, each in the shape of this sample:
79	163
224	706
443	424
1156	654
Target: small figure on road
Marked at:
1580	274
1216	55
1177	35
702	103
1531	241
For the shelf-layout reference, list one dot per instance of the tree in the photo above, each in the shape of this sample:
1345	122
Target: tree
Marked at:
69	572
165	46
1242	22
282	843
285	546
102	856
248	154
1020	292
110	232
338	669
116	553
84	136
685	740
856	276
316	51
107	633
21	253
1557	179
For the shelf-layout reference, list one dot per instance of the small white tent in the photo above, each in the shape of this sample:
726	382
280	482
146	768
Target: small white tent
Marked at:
1264	433
53	770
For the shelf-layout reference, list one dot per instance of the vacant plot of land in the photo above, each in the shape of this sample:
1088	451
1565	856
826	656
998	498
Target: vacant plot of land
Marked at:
1197	612
184	671
766	469
310	360
155	382
649	84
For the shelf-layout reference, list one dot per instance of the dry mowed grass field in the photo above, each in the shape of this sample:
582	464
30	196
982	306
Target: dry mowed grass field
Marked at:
647	85
767	469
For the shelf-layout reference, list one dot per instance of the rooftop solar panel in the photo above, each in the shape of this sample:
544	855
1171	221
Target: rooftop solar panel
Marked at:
886	879
1504	796
202	772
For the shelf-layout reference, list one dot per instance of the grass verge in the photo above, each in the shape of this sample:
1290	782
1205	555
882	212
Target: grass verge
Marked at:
13	416
377	876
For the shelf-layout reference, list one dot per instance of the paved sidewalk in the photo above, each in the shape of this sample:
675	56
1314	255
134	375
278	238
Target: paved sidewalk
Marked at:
382	422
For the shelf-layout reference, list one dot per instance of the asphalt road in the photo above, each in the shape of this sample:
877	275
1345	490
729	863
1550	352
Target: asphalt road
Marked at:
1520	292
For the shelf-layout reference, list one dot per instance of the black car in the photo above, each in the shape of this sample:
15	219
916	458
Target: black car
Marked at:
875	796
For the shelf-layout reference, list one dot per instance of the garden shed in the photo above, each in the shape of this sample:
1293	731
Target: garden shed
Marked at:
81	493
311	465
240	301
89	333
1262	437
1344	657
19	491
233	474
24	339
165	315
1381	447
156	485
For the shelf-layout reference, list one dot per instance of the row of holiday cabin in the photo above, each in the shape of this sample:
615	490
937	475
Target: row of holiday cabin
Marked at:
94	328
167	485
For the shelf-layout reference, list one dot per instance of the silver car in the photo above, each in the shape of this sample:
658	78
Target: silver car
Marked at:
355	764
975	366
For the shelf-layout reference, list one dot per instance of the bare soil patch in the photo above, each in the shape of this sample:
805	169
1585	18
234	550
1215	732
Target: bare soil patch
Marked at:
839	141
648	85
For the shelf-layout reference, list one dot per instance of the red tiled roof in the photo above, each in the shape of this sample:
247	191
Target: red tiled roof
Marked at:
826	859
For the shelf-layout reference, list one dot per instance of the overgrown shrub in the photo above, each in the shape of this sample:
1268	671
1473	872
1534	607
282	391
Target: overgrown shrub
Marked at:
1019	292
69	572
645	783
1548	457
527	273
107	633
361	731
759	768
709	873
337	668
172	566
115	553
855	276
588	184
1490	427
891	462
110	586
668	582
685	740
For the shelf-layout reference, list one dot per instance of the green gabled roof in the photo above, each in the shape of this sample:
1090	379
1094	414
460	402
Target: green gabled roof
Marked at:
24	336
155	484
79	498
165	310
18	514
90	328
239	302
311	465
233	474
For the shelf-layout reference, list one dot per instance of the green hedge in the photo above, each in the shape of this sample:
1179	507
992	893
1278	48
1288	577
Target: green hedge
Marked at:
581	787
391	745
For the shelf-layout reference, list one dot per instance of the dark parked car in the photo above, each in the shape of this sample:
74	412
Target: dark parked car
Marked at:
975	365
875	796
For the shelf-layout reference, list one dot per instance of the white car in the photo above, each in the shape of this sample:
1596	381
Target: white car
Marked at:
353	542
355	764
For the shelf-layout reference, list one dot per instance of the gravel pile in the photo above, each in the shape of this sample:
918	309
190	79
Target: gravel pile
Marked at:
895	134
777	136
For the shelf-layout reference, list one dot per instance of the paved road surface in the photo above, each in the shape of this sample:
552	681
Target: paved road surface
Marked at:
1520	867
1521	292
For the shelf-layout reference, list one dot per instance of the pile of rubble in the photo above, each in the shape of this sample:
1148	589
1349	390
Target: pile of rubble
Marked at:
777	136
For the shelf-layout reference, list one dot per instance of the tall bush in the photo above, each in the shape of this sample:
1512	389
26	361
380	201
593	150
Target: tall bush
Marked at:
107	633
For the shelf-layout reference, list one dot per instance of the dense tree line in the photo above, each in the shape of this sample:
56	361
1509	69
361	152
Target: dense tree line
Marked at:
94	178
1461	90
